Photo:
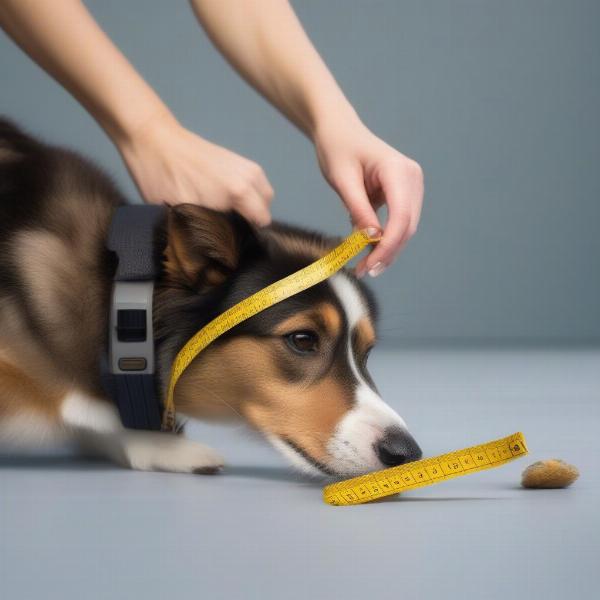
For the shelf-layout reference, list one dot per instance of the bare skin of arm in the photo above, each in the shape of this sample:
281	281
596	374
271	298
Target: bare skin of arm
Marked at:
267	45
167	162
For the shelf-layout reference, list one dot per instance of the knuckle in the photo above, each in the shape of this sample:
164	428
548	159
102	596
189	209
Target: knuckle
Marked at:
416	170
404	218
261	218
269	194
255	170
239	189
412	229
361	218
341	179
396	163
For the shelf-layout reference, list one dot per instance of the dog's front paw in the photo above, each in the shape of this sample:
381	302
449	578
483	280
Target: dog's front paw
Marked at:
165	452
208	470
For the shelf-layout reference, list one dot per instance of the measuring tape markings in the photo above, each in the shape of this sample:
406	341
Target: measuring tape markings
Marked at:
373	485
428	471
282	289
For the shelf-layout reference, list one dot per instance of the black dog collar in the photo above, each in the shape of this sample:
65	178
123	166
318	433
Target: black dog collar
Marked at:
128	368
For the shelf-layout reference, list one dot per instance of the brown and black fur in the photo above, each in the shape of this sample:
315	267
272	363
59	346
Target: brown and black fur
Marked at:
55	284
55	272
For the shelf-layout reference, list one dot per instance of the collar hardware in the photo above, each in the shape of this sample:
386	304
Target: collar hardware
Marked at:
127	369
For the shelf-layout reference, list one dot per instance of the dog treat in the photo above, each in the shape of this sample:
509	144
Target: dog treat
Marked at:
552	473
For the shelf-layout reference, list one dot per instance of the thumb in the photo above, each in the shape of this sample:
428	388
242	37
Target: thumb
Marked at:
351	188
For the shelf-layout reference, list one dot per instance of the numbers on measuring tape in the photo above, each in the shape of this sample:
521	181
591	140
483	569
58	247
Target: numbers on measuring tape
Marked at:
374	488
314	273
493	455
504	451
481	459
451	466
426	471
420	475
467	462
434	471
408	479
363	491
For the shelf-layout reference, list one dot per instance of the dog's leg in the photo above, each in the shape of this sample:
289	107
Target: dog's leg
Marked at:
28	412
96	424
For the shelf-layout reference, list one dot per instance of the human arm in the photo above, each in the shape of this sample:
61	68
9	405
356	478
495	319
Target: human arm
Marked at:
266	44
167	162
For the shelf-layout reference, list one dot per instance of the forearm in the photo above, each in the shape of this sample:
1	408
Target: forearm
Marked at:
63	38
266	44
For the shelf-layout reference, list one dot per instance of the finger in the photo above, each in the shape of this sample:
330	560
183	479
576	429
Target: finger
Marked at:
352	190
362	214
377	200
263	185
254	208
382	256
400	224
393	237
351	187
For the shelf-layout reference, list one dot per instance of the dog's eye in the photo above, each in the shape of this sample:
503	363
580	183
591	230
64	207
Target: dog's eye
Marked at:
303	342
365	357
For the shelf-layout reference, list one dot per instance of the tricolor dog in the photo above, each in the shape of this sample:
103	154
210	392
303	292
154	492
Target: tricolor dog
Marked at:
297	372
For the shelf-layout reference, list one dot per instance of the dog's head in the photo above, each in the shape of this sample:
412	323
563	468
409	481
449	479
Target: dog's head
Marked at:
297	371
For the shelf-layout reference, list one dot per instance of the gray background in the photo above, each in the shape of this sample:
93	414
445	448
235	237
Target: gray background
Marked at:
497	100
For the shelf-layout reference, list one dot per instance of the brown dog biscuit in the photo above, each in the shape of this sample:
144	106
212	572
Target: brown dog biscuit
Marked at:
552	473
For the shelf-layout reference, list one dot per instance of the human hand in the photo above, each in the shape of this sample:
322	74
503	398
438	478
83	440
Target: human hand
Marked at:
368	173
171	165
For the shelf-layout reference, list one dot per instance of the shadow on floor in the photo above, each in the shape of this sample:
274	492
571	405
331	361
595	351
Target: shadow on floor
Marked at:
84	463
270	473
439	499
59	462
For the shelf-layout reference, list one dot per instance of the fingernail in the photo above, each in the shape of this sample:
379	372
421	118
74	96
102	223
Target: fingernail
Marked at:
377	269
373	232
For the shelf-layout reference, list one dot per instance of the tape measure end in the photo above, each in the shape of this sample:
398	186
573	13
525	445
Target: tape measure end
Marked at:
169	421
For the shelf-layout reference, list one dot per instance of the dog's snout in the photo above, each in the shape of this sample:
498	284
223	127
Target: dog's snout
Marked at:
397	447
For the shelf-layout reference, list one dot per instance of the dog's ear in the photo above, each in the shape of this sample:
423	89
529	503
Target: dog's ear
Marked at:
204	246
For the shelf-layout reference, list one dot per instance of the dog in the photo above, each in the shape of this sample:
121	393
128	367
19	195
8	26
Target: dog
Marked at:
297	372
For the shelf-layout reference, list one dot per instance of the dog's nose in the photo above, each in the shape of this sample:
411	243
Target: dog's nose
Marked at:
397	447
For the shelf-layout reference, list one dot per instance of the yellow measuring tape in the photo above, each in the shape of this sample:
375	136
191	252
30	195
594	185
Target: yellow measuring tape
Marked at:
373	485
276	292
425	472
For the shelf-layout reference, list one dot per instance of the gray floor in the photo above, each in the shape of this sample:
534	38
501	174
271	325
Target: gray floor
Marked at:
71	529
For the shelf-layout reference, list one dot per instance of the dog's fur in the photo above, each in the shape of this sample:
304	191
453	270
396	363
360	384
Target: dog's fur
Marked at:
296	372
